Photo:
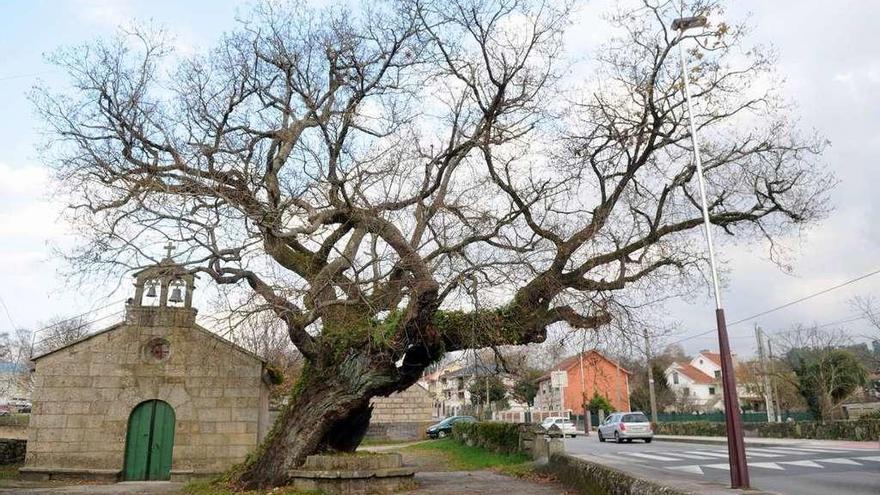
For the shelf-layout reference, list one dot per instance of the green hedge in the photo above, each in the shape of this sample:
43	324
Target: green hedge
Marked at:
490	435
859	429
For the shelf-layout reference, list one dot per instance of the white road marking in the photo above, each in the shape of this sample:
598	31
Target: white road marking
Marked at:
807	450
707	453
840	460
766	465
786	451
802	463
723	466
651	456
685	456
688	469
761	454
875	458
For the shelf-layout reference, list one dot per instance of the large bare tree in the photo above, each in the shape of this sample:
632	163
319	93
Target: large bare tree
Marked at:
411	178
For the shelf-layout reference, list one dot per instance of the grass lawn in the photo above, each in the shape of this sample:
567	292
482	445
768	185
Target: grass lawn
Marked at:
463	458
9	472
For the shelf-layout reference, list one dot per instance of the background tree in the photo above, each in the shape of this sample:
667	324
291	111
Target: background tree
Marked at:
640	394
825	373
58	332
410	178
525	389
264	335
600	402
486	391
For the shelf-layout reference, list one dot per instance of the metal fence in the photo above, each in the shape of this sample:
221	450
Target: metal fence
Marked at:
747	417
713	417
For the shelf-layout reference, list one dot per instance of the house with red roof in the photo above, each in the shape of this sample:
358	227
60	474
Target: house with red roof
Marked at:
697	385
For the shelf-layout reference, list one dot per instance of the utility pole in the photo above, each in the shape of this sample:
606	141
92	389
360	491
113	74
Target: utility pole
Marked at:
773	381
768	391
586	411
488	405
650	379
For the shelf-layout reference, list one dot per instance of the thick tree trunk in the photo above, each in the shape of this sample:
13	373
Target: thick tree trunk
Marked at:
328	411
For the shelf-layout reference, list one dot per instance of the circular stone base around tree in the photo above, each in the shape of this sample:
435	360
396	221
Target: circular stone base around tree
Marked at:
356	474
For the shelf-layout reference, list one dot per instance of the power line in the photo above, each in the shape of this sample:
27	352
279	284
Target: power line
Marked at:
783	306
22	76
80	327
8	316
74	317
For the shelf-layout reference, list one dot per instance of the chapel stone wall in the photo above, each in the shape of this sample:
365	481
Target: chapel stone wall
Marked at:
84	394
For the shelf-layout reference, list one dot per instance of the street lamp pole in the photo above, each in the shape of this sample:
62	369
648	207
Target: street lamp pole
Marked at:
739	471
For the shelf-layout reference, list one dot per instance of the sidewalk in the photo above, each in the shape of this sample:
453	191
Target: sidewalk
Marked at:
772	442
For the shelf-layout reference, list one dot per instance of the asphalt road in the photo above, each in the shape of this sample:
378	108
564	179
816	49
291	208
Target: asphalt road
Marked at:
800	468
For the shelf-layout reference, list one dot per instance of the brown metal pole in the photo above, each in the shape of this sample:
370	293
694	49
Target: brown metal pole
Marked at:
739	470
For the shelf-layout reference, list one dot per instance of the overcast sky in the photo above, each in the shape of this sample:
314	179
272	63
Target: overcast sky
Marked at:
828	54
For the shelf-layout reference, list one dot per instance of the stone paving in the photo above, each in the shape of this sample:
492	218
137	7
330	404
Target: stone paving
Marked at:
430	483
126	488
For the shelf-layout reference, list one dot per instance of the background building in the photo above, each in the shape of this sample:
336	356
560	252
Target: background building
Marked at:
402	416
588	373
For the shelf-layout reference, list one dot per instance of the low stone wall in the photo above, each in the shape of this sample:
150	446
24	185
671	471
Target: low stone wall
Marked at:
858	430
398	431
12	450
364	474
589	478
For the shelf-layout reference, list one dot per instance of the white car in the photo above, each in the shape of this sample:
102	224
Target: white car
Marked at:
626	426
564	424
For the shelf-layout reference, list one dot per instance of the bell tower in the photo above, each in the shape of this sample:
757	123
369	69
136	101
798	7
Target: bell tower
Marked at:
162	294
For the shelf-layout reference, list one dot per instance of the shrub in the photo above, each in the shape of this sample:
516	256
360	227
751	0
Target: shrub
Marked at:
871	415
862	429
490	435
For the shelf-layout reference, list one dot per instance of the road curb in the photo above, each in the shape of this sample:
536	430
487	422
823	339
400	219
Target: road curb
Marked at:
587	476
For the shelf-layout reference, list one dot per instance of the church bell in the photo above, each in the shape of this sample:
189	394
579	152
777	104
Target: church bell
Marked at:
176	295
151	291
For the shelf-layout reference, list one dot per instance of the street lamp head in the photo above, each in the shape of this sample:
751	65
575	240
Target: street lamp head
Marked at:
685	23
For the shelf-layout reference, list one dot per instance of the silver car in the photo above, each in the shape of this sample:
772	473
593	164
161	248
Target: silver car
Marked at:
626	426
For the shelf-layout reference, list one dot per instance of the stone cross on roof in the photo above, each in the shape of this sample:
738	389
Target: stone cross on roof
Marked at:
169	247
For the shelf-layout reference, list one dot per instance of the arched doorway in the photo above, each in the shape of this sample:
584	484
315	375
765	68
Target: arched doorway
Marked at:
149	442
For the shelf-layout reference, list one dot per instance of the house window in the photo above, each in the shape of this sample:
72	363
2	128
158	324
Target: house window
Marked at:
675	378
711	390
686	391
717	373
701	361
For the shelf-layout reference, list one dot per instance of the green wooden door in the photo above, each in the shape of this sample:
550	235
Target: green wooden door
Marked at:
149	442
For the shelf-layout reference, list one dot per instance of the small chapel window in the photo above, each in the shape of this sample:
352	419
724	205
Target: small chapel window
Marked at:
158	349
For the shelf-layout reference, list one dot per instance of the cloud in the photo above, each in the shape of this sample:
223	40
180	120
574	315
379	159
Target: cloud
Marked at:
22	182
105	13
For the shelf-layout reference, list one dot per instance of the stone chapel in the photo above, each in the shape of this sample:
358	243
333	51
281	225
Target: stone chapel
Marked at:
153	397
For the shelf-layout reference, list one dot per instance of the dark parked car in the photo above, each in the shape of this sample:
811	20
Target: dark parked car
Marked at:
444	428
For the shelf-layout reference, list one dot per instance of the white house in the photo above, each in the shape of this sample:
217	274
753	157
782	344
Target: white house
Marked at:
697	385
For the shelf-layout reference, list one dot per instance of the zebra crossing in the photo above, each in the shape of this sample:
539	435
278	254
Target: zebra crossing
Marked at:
780	460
